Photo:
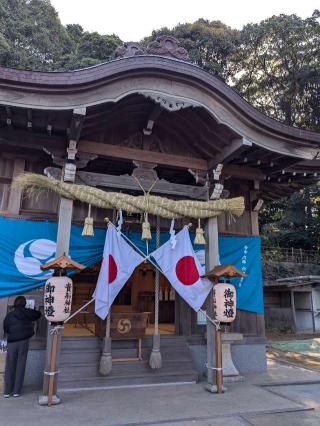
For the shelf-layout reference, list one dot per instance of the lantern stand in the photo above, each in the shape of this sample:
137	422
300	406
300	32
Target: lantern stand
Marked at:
59	265
218	272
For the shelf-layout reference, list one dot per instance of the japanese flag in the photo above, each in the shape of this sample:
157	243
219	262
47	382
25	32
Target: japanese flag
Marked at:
119	261
182	268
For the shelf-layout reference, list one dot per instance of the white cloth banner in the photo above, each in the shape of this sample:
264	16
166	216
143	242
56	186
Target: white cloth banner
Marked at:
119	261
182	268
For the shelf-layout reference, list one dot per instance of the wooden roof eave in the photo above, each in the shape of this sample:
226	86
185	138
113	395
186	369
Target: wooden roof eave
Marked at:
284	139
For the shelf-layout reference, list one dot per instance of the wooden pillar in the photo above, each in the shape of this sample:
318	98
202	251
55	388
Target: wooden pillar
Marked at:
64	226
212	259
3	312
312	311
14	204
63	242
15	195
254	216
293	307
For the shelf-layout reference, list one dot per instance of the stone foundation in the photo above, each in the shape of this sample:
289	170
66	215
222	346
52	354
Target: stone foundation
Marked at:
249	356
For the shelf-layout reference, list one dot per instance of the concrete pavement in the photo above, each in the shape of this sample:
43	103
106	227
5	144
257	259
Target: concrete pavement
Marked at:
260	400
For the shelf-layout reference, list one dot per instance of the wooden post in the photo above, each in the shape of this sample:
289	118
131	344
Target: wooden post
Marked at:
63	241
53	367
3	312
212	259
312	311
15	195
219	374
293	310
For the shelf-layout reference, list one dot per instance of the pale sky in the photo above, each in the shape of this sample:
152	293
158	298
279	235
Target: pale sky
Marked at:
131	20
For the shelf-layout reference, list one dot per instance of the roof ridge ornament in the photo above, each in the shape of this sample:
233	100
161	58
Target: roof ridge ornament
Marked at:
130	48
167	45
164	45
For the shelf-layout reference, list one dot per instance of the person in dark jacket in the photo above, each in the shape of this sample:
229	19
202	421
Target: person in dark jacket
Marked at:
18	326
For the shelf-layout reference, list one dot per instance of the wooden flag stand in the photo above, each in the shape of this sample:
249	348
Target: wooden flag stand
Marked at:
221	271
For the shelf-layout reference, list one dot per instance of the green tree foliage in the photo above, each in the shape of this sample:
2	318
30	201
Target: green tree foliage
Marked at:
32	37
294	221
276	65
210	44
88	48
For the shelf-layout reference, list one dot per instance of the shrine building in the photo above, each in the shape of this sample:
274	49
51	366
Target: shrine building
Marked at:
147	120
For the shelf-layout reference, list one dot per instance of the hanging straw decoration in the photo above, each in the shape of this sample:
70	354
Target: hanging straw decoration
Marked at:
199	239
155	360
88	225
146	232
105	365
164	207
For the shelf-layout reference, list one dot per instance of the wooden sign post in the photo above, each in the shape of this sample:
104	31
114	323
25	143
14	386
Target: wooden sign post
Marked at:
224	303
57	308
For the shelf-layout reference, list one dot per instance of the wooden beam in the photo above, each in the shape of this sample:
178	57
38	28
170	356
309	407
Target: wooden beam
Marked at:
128	183
23	138
9	116
287	162
125	153
156	111
77	121
29	120
231	151
243	172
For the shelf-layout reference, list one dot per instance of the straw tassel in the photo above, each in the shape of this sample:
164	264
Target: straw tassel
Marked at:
146	232
199	239
88	225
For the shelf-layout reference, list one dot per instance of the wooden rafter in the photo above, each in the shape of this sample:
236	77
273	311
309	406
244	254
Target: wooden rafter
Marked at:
231	151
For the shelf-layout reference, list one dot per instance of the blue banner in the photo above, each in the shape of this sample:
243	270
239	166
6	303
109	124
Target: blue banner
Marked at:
25	245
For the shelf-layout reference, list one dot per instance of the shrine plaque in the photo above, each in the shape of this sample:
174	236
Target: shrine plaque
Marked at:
128	325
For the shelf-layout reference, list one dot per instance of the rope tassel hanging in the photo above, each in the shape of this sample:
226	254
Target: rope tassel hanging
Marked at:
146	232
88	225
199	239
155	360
105	365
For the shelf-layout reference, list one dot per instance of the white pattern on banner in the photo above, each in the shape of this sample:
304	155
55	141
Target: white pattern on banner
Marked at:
243	264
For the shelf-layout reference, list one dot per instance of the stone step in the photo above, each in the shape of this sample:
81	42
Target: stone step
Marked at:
105	382
80	357
90	342
125	368
72	356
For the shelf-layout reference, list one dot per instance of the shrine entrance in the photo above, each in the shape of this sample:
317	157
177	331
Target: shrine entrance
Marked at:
137	296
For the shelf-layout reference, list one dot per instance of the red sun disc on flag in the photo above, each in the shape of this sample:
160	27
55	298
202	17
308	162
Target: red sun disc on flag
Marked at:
113	269
187	271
